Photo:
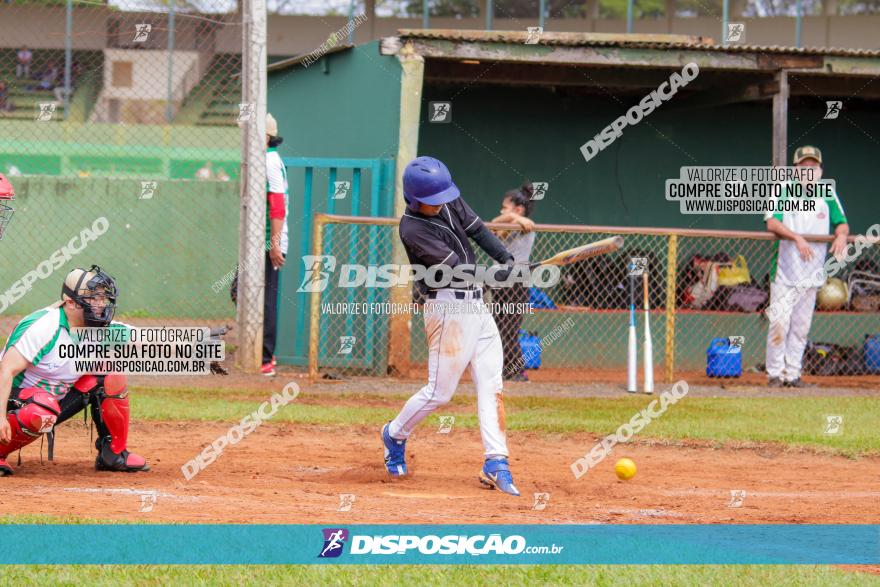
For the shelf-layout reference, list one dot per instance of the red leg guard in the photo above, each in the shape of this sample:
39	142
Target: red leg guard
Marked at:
34	418
115	413
19	440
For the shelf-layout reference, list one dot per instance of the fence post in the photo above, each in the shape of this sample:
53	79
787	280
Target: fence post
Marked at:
671	268
252	230
315	310
412	77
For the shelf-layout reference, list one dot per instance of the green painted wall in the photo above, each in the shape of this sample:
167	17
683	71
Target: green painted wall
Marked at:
345	105
500	136
165	252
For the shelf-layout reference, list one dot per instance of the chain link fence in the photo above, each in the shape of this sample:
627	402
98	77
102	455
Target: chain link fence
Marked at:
122	128
702	286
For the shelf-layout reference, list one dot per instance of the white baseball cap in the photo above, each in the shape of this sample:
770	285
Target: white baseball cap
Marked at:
271	125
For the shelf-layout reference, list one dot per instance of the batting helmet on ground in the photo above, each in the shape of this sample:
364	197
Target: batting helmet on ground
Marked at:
428	181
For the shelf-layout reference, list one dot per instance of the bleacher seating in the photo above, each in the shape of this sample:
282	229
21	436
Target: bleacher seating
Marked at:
214	101
26	101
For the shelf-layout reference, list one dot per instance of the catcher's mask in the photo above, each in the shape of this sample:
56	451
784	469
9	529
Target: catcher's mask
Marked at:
7	194
87	289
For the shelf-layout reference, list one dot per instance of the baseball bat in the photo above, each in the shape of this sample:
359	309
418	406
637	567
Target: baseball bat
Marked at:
569	256
631	383
648	347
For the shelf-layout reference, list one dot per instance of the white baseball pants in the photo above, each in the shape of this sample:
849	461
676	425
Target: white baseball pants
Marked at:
788	332
461	335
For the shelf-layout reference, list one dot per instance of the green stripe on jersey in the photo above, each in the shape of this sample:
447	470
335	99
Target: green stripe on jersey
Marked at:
22	326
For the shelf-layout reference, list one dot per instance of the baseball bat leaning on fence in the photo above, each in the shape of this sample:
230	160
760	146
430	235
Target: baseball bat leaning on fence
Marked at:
631	376
569	256
648	348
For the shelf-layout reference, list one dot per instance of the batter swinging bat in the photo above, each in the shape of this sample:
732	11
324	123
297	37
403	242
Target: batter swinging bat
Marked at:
649	353
631	376
569	256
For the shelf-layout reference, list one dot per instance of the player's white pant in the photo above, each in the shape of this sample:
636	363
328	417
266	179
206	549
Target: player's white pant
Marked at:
787	334
461	335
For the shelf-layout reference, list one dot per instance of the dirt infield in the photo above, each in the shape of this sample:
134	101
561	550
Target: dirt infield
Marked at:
295	474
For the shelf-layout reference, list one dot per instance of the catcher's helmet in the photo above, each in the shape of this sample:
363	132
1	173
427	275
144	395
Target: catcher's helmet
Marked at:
428	181
7	194
86	288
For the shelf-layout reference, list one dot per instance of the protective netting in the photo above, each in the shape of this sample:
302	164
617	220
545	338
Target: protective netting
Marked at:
122	119
702	286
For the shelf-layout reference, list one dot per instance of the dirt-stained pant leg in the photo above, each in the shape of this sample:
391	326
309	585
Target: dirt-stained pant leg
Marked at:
777	332
485	370
452	337
798	331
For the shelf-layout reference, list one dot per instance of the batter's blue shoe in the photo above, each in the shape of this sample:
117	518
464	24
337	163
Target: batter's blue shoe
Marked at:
496	474
395	453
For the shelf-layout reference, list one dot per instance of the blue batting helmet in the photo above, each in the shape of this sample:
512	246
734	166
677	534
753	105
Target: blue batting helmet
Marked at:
427	180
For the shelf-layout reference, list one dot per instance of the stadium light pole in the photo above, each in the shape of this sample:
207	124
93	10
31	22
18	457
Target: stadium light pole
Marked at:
425	18
629	16
725	17
169	107
798	24
542	8
68	56
490	12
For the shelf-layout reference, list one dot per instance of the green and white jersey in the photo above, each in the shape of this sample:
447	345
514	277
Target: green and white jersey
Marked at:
276	182
788	268
37	337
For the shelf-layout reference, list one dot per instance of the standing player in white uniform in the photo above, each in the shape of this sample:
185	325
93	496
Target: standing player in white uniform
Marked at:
461	332
797	274
42	388
277	207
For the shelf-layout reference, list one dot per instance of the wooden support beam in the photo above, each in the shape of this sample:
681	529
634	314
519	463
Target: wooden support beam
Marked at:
780	119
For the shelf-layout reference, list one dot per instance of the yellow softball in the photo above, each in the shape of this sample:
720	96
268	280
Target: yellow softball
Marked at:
625	469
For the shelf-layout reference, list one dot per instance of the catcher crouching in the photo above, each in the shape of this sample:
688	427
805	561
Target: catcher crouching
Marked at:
39	389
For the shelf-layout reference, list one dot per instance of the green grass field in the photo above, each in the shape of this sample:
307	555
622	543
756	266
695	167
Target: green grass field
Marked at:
789	421
437	576
793	421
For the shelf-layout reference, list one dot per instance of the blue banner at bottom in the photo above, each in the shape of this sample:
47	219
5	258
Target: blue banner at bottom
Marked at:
441	544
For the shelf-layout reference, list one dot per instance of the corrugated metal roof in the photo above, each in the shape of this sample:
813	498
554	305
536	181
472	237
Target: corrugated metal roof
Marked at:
633	41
